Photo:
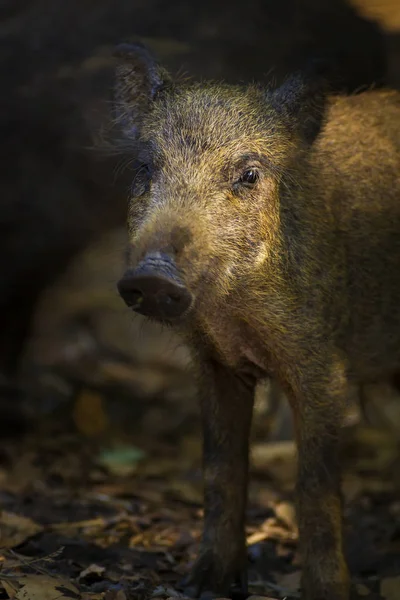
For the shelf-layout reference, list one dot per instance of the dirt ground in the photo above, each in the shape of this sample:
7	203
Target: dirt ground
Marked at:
100	480
93	509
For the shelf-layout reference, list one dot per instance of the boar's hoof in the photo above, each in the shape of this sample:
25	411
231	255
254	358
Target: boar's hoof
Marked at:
208	580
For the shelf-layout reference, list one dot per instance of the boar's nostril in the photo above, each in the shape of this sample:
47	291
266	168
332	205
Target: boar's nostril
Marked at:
135	298
155	290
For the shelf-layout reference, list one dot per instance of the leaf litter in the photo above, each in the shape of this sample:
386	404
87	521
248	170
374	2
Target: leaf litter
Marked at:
114	512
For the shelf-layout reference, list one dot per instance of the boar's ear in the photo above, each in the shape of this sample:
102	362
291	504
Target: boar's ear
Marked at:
139	79
301	100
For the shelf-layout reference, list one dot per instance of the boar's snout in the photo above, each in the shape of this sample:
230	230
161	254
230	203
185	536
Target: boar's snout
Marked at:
154	288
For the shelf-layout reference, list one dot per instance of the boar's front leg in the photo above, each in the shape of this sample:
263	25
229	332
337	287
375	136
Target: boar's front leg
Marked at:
226	405
318	400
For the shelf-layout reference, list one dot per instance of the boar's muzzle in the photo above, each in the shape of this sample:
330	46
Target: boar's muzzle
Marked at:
154	288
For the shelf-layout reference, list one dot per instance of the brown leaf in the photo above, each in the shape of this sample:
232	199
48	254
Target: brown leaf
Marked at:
11	587
286	513
15	529
97	523
42	587
270	530
92	569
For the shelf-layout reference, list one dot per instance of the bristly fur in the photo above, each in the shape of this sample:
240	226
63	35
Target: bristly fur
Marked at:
296	275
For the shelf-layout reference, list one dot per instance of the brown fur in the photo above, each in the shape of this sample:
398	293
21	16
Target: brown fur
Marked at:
295	277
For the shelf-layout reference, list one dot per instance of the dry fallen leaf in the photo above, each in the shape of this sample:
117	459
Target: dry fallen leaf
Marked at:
42	587
11	587
286	512
92	569
15	529
270	529
98	522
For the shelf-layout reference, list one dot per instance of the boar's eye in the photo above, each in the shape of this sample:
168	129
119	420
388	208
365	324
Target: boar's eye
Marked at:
249	177
141	181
